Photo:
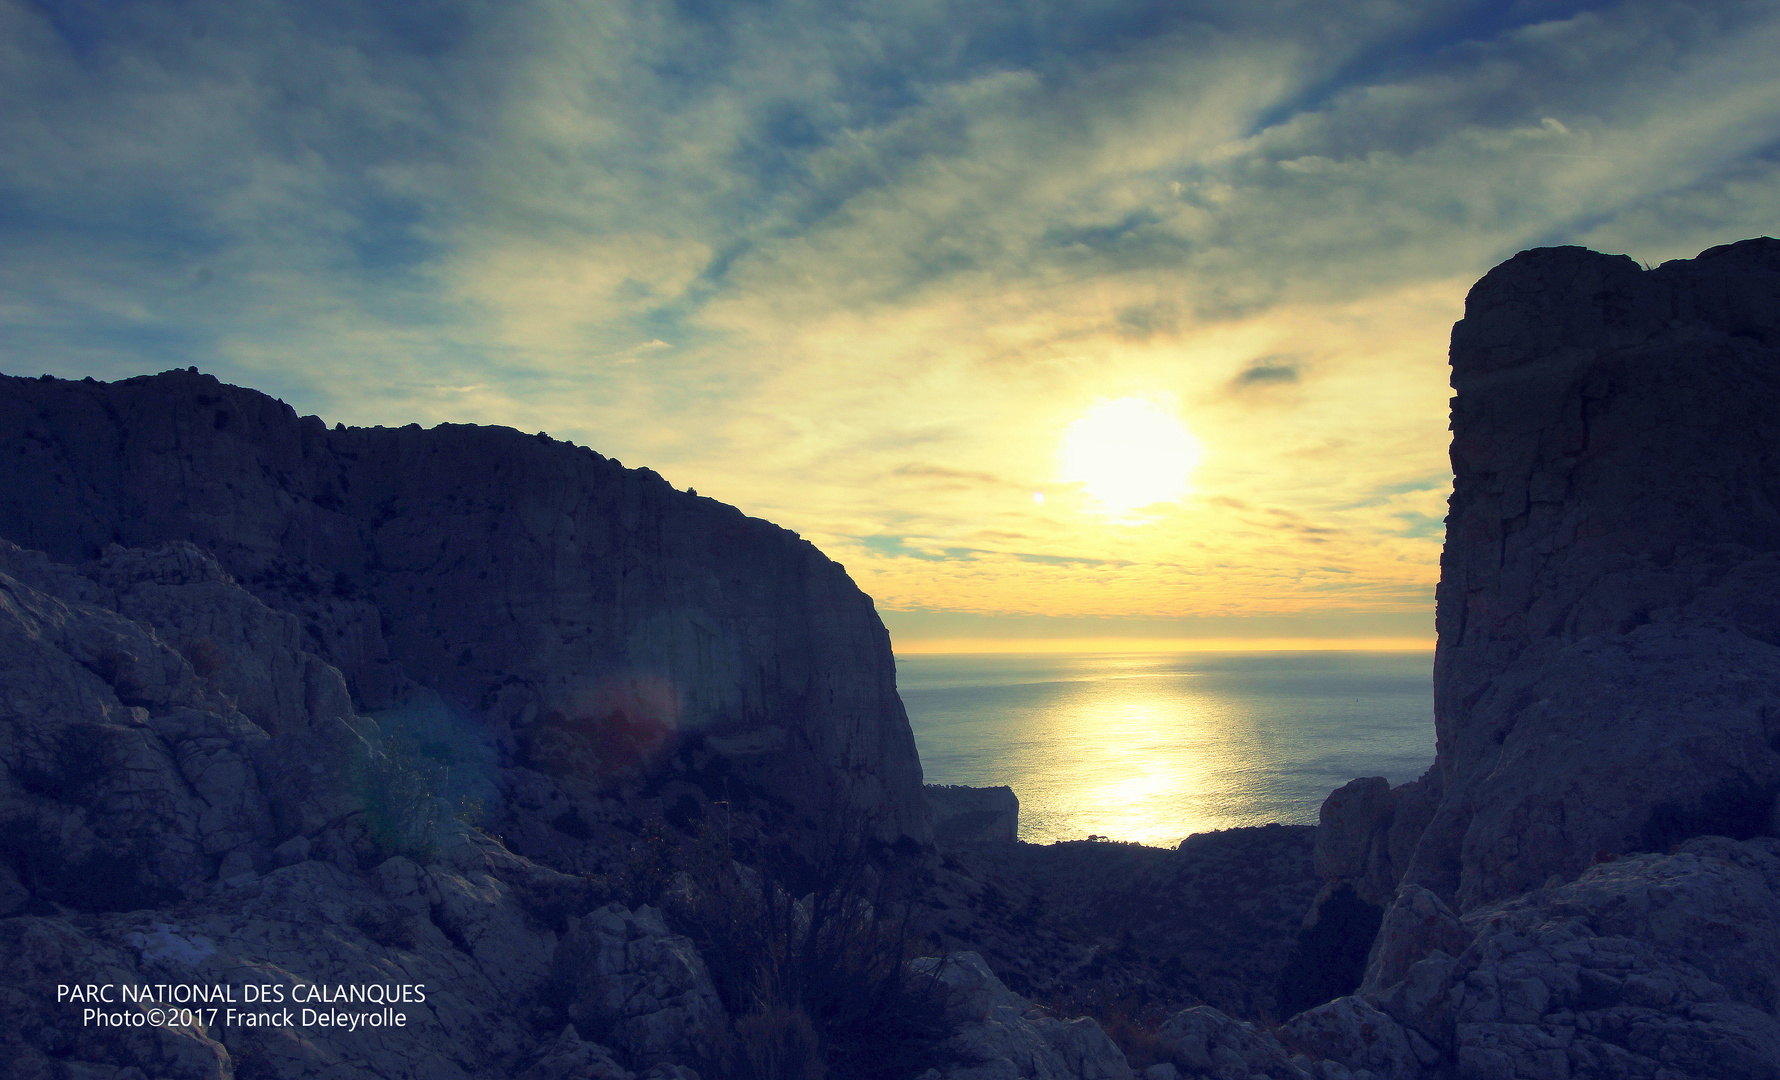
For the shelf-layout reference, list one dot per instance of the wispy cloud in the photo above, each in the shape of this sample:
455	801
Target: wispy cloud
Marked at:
857	269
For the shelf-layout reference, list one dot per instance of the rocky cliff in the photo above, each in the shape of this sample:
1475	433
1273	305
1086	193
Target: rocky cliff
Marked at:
1587	883
1608	672
278	704
576	612
966	815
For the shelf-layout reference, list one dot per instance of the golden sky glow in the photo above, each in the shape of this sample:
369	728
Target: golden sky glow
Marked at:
909	279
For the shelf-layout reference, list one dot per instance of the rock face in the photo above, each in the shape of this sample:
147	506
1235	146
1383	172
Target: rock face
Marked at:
636	986
184	802
577	610
1658	967
1367	830
1587	882
128	776
973	815
1001	1036
1608	672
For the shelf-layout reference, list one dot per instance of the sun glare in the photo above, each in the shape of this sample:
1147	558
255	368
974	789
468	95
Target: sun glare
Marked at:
1129	453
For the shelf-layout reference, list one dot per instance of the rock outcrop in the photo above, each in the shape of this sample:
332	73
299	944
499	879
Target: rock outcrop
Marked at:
1656	967
1001	1036
577	610
973	815
1586	883
187	802
1607	678
130	776
1367	830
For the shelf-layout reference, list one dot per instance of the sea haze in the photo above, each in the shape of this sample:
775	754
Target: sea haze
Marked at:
1153	748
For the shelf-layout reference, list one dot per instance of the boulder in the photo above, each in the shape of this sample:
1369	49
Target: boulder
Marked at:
639	988
1002	1036
131	777
1416	925
164	741
1206	1043
1649	966
1367	831
572	1058
302	931
1646	966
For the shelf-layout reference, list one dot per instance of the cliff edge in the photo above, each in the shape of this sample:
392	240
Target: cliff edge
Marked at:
576	611
1587	882
1607	678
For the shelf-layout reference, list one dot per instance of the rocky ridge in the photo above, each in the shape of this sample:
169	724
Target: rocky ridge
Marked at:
577	611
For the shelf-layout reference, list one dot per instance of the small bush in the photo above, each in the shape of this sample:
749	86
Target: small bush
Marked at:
651	868
403	792
1137	1031
816	935
779	1044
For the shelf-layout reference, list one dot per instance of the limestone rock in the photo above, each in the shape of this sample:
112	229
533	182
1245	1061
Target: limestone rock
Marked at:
638	987
1367	830
1347	827
161	732
572	1058
1356	1034
164	727
580	610
298	929
973	815
1416	925
42	1036
123	780
1002	1036
1607	678
1646	966
1207	1043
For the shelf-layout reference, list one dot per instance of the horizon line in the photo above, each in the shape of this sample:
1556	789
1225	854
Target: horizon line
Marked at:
948	646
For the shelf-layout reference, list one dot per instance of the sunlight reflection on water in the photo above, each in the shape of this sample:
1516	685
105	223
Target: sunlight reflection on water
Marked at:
1153	748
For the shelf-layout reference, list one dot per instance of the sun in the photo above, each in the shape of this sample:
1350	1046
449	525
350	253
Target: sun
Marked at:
1129	453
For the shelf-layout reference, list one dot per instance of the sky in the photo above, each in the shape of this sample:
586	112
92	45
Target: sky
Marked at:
1114	325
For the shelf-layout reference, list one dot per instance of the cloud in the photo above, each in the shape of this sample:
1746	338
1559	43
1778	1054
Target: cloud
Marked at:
1269	371
857	270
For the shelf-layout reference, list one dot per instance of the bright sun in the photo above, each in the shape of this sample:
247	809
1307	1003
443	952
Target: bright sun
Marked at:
1129	453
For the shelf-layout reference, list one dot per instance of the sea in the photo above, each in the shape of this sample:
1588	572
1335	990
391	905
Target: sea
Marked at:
1152	748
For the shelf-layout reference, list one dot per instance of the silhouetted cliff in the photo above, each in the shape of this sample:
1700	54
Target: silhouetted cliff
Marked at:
568	603
1587	882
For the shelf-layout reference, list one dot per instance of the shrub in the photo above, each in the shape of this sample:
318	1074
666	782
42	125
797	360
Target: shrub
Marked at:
816	935
779	1044
403	793
1137	1030
651	868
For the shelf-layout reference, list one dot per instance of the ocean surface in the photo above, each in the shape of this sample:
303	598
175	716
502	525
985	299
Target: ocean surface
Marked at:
1155	747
